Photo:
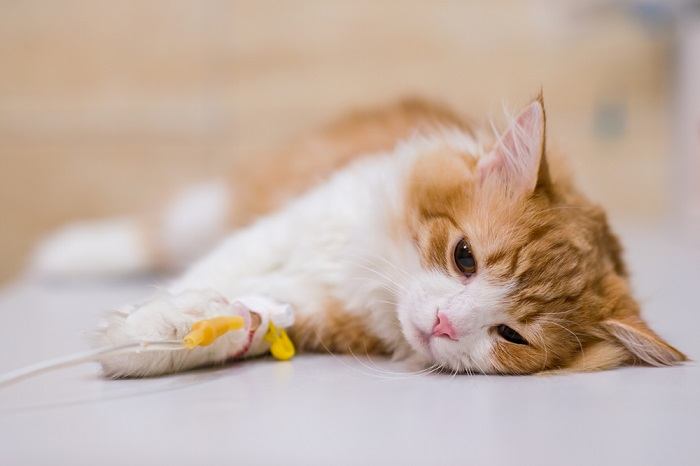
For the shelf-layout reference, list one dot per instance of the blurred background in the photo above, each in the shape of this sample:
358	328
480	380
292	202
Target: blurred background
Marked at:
106	106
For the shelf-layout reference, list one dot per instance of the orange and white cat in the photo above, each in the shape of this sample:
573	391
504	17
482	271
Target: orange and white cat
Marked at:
404	231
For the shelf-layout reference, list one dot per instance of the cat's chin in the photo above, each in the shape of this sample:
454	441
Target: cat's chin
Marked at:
418	354
419	362
415	361
443	354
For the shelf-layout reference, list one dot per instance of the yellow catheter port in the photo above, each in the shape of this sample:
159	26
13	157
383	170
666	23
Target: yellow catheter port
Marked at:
205	332
281	347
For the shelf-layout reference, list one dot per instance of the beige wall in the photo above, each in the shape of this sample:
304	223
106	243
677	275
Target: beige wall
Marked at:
105	105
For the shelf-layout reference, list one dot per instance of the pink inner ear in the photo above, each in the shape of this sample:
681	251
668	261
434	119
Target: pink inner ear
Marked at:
516	156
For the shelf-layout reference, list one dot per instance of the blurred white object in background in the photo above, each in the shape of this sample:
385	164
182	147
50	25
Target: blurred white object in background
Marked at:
688	119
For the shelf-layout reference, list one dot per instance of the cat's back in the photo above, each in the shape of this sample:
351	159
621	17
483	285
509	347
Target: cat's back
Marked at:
264	183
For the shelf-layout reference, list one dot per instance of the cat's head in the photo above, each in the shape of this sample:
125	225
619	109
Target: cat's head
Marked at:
518	273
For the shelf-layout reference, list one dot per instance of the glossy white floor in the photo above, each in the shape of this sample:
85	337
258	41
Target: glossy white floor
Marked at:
329	410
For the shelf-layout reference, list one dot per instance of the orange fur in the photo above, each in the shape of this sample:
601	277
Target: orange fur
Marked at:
265	184
335	330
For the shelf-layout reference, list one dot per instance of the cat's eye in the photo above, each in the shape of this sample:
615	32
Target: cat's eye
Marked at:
510	335
464	259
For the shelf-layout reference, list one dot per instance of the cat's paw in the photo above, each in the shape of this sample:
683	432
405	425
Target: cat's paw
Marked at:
165	317
169	317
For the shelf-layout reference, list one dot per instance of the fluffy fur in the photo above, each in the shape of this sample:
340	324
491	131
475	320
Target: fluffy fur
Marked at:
355	227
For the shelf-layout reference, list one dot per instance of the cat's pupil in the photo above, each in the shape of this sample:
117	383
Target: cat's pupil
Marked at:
464	259
510	335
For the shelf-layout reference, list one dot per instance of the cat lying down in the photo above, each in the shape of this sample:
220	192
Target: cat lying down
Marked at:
405	231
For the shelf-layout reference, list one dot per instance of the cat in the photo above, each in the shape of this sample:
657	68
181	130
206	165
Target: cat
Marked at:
405	230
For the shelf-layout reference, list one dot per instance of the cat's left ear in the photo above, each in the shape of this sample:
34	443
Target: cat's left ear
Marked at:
642	342
624	340
518	158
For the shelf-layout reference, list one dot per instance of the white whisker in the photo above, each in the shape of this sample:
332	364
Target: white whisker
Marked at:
381	274
568	330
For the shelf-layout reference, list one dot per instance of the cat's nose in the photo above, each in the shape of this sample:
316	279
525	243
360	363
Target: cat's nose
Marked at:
444	328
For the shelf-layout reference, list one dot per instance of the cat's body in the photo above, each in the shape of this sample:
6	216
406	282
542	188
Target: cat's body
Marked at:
404	231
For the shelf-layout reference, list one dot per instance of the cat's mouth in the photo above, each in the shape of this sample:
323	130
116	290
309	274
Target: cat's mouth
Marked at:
438	349
423	339
428	343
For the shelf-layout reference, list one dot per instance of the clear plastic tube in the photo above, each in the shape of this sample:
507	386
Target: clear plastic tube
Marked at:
26	372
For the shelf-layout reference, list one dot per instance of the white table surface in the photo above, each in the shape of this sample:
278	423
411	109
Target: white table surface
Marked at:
321	409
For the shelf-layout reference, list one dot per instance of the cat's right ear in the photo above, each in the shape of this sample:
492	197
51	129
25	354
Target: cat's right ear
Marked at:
518	158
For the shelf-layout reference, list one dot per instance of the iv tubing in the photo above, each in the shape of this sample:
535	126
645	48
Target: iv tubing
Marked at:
22	373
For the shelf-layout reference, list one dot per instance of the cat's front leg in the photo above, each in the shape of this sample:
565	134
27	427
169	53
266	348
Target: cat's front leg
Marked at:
170	317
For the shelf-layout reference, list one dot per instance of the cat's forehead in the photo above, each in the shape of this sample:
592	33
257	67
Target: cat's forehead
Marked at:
439	183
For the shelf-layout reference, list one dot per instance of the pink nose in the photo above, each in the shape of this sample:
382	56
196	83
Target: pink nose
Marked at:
443	327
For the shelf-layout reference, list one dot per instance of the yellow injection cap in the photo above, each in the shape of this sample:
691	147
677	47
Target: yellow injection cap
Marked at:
281	347
205	332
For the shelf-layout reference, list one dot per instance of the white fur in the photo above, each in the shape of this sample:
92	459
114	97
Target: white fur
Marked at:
338	242
473	308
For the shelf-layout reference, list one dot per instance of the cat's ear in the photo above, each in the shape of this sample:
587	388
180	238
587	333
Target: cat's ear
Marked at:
623	341
518	157
641	342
